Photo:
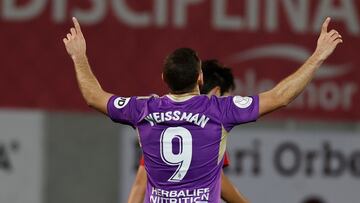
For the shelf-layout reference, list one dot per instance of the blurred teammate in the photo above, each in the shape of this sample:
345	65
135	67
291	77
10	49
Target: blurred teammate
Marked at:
183	134
219	81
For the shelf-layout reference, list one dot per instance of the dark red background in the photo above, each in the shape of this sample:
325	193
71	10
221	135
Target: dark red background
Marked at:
36	72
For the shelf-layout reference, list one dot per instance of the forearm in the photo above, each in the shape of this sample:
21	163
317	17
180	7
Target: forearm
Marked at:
137	193
289	88
229	193
89	86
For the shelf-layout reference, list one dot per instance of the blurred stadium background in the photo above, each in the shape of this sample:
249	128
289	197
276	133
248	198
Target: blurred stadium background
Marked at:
54	149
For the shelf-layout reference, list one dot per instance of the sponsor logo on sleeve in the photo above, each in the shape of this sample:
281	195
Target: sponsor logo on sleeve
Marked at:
121	102
242	102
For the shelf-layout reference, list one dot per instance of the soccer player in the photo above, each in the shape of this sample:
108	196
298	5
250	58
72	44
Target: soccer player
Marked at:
219	81
183	134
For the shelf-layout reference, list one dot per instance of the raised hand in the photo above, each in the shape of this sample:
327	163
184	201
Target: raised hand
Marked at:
327	41
75	42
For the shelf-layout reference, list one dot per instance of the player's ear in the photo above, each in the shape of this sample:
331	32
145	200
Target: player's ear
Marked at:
215	91
200	79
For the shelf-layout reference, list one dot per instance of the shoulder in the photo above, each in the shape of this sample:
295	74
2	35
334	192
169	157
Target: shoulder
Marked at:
219	100
152	96
121	102
238	101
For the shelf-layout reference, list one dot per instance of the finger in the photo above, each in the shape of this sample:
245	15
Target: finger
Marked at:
336	36
65	41
77	25
73	31
325	25
339	41
333	32
68	36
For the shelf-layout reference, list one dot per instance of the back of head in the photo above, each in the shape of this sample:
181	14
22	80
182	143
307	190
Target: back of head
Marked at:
181	70
215	74
229	84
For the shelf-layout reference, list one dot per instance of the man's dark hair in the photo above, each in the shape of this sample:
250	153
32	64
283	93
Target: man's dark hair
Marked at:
216	74
181	70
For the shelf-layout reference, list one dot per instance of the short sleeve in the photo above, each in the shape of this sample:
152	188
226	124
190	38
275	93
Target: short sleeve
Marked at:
142	161
237	110
123	110
226	160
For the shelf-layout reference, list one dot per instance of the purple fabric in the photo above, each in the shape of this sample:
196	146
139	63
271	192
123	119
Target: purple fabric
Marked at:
181	141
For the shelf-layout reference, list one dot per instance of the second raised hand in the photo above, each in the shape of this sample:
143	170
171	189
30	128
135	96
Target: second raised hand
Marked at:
328	41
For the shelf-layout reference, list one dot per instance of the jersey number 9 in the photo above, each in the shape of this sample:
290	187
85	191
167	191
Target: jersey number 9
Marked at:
183	158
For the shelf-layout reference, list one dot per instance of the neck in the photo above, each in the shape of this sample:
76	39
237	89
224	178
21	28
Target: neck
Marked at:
195	91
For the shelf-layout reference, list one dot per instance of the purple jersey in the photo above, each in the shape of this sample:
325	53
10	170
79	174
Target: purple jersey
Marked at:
183	142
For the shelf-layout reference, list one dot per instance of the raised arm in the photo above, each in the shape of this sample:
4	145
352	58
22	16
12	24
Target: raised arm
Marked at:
289	88
89	86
